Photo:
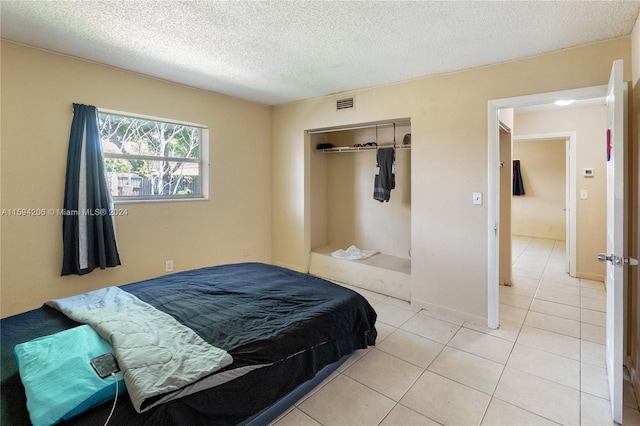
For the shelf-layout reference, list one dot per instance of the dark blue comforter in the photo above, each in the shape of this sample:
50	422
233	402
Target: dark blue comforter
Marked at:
259	313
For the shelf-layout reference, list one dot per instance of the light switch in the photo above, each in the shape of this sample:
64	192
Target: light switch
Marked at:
584	194
477	198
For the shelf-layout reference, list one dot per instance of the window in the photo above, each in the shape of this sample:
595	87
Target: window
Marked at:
148	159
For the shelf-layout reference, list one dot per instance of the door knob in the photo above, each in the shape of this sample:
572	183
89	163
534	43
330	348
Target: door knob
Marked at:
617	260
602	257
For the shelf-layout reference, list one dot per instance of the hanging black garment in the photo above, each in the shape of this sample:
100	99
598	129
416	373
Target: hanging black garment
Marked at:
518	186
385	179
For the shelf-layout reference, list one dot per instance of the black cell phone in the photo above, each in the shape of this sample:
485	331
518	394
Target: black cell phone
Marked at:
105	365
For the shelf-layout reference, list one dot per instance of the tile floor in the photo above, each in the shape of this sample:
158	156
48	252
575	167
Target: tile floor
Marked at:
545	365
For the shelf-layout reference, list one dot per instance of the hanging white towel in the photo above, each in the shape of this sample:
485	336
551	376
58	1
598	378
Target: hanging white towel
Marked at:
353	253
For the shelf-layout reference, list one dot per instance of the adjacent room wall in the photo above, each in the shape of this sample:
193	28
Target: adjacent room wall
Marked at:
590	125
448	163
38	88
540	212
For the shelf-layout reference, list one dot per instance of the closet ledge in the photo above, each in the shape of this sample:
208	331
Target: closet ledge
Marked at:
381	273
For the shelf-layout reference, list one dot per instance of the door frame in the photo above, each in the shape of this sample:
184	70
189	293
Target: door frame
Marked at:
570	188
493	188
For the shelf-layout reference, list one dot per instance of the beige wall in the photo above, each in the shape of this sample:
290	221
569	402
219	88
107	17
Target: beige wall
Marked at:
449	135
38	89
589	124
540	212
448	163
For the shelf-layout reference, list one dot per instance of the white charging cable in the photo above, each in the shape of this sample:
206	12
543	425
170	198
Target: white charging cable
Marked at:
114	401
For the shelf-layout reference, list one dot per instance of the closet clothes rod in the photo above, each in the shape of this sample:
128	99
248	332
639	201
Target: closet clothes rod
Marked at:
364	126
362	148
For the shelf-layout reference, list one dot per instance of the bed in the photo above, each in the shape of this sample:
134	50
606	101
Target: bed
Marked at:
294	327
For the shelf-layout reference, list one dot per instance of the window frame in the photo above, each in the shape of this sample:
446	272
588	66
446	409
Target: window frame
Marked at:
202	161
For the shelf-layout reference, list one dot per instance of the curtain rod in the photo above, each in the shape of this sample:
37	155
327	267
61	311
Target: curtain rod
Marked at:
364	126
147	117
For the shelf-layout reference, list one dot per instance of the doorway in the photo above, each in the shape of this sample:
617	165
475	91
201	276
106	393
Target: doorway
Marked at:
493	191
559	148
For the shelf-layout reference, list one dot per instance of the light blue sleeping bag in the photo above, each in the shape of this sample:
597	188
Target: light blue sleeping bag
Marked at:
58	378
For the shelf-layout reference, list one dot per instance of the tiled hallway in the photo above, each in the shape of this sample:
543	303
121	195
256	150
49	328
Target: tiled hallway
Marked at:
544	366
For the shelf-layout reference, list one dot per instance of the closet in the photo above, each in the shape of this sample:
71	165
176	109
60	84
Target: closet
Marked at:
345	213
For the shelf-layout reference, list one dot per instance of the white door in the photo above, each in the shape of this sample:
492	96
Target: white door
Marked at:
616	244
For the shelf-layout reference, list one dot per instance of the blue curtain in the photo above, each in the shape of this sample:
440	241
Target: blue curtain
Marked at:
518	185
88	231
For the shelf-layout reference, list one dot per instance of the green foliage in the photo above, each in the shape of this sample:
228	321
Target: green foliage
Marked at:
118	165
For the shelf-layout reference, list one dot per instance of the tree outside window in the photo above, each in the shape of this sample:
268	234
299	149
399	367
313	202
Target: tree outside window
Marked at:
148	159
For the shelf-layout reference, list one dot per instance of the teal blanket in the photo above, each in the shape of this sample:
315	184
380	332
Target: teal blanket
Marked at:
58	378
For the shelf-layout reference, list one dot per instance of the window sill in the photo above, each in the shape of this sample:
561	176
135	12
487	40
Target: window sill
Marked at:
159	200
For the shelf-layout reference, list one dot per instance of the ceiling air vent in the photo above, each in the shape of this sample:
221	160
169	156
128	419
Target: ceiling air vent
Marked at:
342	104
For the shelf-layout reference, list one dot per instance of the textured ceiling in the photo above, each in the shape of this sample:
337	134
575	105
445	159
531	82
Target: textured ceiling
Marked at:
276	52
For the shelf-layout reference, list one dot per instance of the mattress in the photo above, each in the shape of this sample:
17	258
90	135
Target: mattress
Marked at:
260	314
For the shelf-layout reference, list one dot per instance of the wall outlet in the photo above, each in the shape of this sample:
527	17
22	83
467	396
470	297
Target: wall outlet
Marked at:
168	265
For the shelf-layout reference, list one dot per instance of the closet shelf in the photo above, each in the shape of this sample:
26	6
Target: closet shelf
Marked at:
361	148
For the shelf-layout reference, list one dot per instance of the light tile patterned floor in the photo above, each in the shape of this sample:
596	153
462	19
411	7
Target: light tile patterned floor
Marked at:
544	366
